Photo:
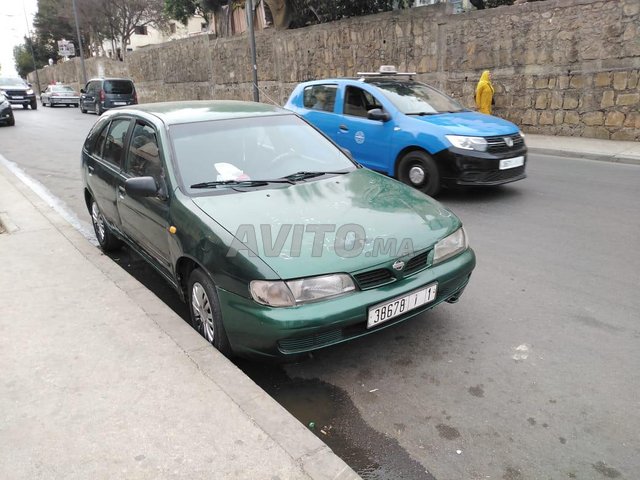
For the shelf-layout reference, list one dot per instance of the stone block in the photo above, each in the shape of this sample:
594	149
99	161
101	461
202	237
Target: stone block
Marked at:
628	99
631	8
563	82
542	101
632	120
596	132
556	100
571	118
578	82
633	80
614	119
603	79
552	82
558	118
620	80
546	118
570	102
607	99
593	118
530	117
541	83
625	134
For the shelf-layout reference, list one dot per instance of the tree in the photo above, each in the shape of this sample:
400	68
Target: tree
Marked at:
123	16
24	59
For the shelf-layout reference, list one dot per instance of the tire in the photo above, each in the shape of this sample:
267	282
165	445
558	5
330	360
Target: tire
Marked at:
106	239
203	304
420	171
99	111
11	122
34	104
25	106
82	109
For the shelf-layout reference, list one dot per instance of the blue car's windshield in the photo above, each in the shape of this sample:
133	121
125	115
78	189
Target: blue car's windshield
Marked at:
413	98
251	151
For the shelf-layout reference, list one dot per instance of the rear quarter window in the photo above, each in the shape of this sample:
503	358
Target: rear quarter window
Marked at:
123	87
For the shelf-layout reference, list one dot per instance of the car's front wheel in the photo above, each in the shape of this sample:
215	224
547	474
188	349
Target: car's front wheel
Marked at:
34	104
204	309
106	239
420	171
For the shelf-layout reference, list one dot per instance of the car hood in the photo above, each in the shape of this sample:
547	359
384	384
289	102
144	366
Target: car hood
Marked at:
362	200
14	87
468	123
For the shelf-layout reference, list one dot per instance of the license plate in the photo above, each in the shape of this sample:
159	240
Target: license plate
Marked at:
384	312
17	98
119	103
511	163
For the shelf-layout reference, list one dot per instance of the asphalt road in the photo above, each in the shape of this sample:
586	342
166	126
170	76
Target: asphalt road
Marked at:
534	374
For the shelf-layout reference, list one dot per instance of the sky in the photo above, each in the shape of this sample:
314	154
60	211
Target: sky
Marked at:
13	28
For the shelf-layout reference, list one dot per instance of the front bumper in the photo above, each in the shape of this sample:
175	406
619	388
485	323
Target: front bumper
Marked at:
256	330
467	167
25	100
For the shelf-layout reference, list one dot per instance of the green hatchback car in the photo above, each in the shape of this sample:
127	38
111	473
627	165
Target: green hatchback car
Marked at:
278	241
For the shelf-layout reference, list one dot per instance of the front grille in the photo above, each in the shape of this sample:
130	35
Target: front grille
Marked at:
301	344
18	93
497	144
373	278
499	175
416	263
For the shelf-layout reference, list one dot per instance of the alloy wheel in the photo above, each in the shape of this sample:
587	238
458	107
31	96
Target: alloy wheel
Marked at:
98	222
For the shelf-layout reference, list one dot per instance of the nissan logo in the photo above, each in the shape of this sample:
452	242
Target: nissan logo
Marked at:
398	265
508	141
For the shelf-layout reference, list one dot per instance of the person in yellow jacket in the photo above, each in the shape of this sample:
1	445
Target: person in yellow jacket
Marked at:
484	93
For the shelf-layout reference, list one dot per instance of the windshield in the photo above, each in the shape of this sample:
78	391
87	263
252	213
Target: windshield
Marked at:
252	149
414	98
62	88
8	81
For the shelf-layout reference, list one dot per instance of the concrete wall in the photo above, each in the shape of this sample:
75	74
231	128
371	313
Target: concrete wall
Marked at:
566	67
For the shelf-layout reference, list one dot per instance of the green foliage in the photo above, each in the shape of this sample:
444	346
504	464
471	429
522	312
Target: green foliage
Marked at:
24	59
497	3
308	12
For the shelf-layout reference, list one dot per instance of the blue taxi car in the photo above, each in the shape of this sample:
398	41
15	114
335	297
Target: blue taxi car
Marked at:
411	131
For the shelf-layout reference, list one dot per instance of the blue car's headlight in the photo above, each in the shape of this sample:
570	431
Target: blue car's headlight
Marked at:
468	143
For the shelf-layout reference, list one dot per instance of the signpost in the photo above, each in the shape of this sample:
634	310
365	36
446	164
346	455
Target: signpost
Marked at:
66	49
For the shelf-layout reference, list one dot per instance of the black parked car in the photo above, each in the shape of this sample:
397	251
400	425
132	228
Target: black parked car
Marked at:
18	92
101	94
6	112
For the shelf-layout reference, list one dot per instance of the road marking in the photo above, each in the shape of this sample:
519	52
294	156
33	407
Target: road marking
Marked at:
54	202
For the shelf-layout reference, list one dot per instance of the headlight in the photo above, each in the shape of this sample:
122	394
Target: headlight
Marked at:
521	133
468	143
30	91
452	245
278	293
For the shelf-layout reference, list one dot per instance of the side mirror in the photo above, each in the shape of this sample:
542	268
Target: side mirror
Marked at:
141	187
82	90
30	84
378	114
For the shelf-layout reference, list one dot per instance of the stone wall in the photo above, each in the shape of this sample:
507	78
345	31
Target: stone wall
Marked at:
560	67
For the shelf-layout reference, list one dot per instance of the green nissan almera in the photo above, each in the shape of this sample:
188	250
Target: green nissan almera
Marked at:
277	240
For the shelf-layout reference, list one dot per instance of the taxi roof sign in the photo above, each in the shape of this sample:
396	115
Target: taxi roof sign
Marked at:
385	70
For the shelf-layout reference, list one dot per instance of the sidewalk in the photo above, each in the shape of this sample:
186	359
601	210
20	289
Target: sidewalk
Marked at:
590	148
101	380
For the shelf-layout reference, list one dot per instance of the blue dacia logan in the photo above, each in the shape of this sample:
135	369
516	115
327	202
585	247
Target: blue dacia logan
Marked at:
411	131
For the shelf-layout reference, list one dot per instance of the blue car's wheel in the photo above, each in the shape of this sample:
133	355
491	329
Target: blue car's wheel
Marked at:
419	170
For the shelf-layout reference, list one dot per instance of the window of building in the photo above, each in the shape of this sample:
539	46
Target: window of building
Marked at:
172	27
140	30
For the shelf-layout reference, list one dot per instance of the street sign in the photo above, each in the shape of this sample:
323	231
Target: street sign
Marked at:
66	48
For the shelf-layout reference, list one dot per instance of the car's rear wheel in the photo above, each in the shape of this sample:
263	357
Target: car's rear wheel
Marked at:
99	111
420	171
106	239
204	309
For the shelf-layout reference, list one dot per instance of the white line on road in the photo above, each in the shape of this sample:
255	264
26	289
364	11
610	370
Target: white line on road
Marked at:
54	202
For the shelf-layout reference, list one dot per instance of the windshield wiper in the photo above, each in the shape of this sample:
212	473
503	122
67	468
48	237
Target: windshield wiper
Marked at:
238	183
302	175
422	114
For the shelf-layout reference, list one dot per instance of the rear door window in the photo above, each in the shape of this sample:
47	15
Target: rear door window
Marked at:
121	87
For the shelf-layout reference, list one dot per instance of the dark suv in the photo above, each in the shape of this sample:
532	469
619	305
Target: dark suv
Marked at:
101	94
18	92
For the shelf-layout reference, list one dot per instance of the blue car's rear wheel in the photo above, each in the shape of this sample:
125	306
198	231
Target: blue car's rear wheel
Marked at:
420	171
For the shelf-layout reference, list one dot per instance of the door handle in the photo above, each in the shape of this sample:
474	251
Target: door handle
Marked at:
90	169
121	191
343	128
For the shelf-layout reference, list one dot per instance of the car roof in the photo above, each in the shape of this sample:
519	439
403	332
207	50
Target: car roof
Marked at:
172	113
362	79
109	78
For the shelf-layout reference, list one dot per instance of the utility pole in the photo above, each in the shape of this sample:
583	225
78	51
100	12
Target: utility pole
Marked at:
252	44
33	55
75	16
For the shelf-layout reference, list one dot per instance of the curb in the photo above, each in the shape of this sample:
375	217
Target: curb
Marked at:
307	451
624	159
